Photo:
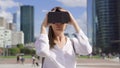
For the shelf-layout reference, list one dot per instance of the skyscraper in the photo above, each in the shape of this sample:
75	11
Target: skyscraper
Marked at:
108	24
27	22
15	18
89	20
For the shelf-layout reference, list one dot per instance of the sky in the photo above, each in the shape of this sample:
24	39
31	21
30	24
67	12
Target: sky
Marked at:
78	8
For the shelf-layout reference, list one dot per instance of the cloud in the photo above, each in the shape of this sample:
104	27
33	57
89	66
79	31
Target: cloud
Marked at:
44	10
6	15
74	3
6	4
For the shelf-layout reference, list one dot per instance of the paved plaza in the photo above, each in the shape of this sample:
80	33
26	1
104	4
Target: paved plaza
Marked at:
82	63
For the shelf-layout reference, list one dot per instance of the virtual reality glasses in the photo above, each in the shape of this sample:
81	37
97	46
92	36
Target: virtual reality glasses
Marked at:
58	17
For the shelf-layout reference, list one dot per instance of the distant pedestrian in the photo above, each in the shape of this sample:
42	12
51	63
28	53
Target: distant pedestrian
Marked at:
33	60
38	57
18	58
103	55
22	59
109	55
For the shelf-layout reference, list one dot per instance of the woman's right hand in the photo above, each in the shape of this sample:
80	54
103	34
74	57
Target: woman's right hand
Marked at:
44	25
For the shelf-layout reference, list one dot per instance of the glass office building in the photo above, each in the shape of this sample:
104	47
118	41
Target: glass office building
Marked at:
89	21
27	22
107	28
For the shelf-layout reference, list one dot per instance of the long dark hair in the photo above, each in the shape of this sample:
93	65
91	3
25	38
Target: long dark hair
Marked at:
51	34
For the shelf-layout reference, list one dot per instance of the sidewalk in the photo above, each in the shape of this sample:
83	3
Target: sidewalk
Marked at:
92	60
81	63
80	60
116	59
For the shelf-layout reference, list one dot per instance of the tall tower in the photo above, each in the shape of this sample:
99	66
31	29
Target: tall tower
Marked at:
89	20
15	18
92	23
27	22
107	14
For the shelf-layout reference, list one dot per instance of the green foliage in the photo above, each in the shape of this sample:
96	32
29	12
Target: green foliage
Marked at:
24	50
27	51
14	51
94	56
7	57
20	46
32	51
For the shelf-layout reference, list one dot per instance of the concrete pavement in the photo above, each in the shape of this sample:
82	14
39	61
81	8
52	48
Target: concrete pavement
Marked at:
98	65
82	63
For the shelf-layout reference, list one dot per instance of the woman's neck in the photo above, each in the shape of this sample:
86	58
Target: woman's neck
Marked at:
59	37
60	40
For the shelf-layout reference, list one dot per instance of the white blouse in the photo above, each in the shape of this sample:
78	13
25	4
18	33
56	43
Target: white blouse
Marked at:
62	57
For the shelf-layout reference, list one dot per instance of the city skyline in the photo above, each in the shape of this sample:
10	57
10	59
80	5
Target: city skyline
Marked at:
77	8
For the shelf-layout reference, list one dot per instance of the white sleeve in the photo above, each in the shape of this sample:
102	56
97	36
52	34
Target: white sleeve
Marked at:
81	44
42	45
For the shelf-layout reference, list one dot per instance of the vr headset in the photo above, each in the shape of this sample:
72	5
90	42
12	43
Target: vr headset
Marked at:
58	17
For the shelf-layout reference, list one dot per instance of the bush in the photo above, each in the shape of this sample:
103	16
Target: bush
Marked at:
32	51
14	51
20	46
27	51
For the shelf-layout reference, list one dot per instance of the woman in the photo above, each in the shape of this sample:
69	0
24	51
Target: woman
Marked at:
59	51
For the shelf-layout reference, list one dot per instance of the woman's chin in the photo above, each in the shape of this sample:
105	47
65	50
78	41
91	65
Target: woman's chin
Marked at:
59	32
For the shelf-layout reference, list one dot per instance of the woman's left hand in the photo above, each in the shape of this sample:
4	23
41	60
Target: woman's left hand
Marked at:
74	22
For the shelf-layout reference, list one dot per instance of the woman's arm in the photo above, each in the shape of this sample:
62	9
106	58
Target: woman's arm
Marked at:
44	26
81	42
42	42
74	23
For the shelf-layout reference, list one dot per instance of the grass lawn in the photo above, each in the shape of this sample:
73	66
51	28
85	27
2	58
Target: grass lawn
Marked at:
29	56
26	56
96	57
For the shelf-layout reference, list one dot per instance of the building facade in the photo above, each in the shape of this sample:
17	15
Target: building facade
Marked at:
17	38
5	38
2	22
1	36
8	36
27	23
107	19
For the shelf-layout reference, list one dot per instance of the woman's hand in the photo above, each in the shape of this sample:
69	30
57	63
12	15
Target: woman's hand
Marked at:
74	23
72	19
44	25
